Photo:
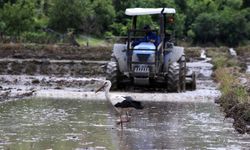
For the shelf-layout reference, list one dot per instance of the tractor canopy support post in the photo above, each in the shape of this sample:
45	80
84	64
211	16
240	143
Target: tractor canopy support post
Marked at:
165	26
162	28
162	36
128	52
134	22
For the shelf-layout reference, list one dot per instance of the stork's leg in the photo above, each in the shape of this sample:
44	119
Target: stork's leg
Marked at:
120	116
127	118
121	122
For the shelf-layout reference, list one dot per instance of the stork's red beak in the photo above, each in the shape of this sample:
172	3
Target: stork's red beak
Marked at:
100	88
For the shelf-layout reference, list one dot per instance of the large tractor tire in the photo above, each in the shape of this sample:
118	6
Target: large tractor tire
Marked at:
183	71
173	77
191	81
112	73
193	86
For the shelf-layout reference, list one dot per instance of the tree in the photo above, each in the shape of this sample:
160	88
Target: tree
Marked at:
234	4
226	21
2	2
2	28
206	28
246	3
195	8
182	4
17	17
101	17
234	26
66	14
38	4
46	6
180	25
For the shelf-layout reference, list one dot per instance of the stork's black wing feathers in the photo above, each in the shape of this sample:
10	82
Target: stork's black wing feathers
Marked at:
129	98
129	102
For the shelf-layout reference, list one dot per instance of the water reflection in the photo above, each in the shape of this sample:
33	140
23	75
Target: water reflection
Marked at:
71	124
55	124
182	126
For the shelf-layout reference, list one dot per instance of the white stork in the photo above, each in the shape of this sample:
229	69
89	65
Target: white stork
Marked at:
122	104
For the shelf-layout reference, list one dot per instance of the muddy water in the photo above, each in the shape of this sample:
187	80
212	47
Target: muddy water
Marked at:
55	124
66	124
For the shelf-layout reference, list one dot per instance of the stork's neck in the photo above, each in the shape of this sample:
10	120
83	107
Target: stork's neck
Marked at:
107	90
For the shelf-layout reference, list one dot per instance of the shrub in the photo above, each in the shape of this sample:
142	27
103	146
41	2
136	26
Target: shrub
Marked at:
38	37
17	17
219	61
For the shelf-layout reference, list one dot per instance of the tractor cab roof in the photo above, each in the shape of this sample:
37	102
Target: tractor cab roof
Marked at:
148	11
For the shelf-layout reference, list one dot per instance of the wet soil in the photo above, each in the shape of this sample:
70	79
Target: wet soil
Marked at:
27	68
74	68
55	85
40	51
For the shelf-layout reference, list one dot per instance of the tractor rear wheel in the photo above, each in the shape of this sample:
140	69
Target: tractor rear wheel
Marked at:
112	73
173	77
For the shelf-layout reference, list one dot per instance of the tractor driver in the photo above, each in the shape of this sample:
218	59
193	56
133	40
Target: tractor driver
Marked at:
149	37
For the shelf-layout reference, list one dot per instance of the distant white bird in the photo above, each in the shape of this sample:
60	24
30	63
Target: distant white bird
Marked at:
232	52
203	54
122	104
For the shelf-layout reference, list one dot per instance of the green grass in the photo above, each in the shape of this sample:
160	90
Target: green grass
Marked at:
229	86
235	97
227	71
243	50
92	41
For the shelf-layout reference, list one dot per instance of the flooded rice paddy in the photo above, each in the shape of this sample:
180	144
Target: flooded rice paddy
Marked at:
77	124
58	118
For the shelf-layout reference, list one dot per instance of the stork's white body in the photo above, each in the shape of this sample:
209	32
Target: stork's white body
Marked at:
114	99
121	104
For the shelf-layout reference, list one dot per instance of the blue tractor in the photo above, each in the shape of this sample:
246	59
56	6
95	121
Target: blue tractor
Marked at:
146	62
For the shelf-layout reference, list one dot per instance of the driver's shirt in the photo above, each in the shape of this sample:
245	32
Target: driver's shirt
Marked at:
149	37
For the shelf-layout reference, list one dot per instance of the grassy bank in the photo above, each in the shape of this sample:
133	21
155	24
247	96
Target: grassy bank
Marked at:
93	41
235	100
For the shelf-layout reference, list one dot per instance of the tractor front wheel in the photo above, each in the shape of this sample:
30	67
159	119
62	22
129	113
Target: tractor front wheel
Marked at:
173	77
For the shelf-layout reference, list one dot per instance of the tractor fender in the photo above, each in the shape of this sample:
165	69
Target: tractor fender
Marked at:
119	51
176	54
172	54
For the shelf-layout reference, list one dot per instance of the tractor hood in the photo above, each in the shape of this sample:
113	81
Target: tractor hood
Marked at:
145	46
148	11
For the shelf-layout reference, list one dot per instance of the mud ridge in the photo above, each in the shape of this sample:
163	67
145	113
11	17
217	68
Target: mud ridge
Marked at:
44	51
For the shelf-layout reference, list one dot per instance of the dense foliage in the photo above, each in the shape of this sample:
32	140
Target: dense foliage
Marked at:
197	21
17	17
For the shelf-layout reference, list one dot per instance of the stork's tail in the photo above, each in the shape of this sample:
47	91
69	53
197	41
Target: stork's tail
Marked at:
137	105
